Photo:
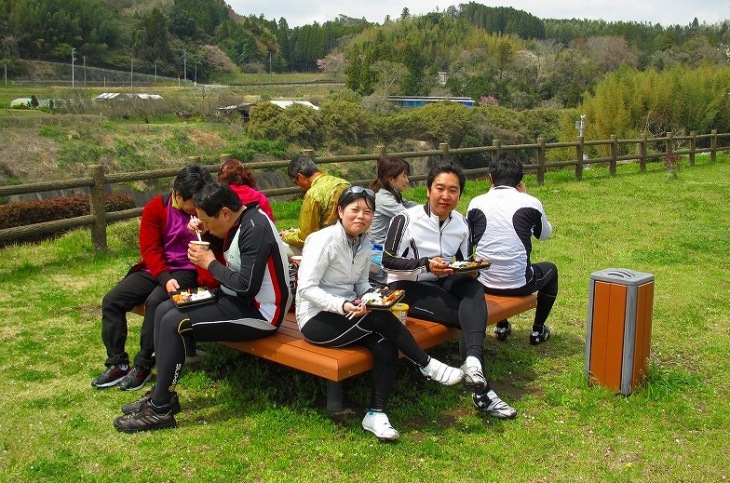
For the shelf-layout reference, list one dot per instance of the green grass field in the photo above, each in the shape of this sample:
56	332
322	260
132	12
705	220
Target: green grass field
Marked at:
244	419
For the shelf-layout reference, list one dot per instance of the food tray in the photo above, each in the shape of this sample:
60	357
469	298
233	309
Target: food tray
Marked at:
399	294
482	265
192	303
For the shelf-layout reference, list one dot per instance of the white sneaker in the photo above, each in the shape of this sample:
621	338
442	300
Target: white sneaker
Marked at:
473	376
440	372
492	405
378	424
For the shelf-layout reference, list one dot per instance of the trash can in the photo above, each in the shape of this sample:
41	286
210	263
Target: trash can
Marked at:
620	304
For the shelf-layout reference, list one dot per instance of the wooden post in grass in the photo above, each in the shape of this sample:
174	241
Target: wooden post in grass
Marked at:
692	147
381	152
97	208
614	155
642	153
444	148
579	150
541	161
713	146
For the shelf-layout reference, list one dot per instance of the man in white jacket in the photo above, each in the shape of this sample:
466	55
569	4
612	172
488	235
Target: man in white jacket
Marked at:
502	223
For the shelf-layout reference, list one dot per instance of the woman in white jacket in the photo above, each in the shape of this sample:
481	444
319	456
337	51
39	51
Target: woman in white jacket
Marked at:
333	276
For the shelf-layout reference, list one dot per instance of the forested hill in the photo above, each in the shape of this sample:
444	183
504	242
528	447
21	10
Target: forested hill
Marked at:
494	54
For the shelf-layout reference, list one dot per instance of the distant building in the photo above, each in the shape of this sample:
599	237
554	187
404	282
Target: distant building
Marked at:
125	96
285	104
416	101
243	109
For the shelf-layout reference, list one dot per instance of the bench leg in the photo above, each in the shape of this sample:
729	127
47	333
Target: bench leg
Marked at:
334	396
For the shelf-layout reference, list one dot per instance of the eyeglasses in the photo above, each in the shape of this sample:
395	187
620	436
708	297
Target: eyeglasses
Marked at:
356	190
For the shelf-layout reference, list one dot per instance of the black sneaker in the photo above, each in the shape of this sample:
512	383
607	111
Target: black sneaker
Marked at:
492	405
540	337
136	379
109	378
503	329
147	419
138	405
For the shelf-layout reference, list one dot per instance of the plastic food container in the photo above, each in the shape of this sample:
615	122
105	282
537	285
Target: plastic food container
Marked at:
400	311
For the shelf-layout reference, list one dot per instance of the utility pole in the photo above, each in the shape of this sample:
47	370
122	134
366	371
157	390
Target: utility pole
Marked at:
581	125
155	74
131	73
271	74
185	65
73	73
6	75
84	72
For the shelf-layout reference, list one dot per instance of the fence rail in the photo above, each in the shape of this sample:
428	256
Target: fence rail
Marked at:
97	179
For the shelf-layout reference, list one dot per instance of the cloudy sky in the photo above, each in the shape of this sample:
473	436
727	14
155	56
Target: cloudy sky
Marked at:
665	12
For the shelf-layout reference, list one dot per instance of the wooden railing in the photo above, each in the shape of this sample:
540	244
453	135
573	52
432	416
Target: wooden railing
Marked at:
97	179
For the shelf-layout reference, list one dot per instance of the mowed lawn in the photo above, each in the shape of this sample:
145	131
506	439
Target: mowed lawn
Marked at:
248	420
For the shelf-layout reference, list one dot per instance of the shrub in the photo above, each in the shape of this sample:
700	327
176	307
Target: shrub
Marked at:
31	212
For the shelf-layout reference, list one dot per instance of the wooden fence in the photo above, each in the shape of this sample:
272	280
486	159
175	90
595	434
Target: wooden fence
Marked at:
97	179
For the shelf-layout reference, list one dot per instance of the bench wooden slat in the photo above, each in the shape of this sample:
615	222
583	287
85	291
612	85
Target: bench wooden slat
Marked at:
288	347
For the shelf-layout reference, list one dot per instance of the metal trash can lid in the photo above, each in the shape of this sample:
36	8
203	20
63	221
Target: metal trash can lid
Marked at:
622	276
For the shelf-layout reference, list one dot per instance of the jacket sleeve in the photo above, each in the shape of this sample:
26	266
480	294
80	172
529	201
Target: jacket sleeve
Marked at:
151	233
477	227
400	252
543	230
308	222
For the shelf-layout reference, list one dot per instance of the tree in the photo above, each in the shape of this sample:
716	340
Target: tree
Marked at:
333	63
389	75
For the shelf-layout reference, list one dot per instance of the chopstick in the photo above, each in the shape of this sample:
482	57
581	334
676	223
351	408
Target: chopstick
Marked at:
351	315
197	231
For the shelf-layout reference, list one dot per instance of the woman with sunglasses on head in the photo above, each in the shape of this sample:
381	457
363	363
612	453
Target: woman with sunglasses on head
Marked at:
243	182
333	275
392	178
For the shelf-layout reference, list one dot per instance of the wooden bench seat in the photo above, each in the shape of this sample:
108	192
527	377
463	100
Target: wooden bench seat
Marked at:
288	347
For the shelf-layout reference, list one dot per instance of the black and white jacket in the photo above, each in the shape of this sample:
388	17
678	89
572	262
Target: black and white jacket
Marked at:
415	236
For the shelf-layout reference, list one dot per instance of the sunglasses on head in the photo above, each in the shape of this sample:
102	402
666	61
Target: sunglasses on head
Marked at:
356	190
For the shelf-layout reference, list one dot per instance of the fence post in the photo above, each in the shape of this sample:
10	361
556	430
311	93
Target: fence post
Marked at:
444	148
97	207
713	145
225	157
193	159
692	147
642	153
380	150
308	153
669	156
498	145
579	159
541	161
614	155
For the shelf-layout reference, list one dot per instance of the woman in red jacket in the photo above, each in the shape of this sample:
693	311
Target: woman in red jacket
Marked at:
243	182
163	268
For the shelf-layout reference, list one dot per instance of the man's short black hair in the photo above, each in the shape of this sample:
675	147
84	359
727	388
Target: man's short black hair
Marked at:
447	167
302	164
190	180
214	197
506	170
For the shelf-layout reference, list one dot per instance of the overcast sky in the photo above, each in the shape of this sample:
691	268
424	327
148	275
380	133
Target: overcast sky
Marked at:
665	12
